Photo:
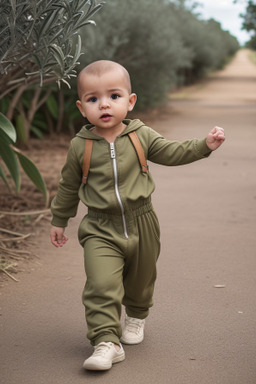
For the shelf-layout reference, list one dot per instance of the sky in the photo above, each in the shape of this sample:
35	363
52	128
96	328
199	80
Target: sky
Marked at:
227	13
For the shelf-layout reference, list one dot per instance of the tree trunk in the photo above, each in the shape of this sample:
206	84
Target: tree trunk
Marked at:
15	100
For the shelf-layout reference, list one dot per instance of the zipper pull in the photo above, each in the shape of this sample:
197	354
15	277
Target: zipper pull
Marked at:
112	151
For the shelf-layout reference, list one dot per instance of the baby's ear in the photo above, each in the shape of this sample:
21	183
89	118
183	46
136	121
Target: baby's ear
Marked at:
79	106
132	101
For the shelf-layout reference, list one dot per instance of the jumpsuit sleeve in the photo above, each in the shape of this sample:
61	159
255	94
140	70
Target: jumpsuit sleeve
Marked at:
65	203
167	152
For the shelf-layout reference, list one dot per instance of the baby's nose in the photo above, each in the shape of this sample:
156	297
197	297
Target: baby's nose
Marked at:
104	103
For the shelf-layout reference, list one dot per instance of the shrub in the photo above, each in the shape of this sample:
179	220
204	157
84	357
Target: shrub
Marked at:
162	44
39	45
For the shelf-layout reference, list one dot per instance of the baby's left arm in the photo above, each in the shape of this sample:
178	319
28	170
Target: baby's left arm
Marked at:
215	138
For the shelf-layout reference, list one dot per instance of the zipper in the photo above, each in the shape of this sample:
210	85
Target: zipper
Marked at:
113	157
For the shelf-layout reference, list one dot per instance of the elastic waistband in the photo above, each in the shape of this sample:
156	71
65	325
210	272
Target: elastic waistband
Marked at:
131	212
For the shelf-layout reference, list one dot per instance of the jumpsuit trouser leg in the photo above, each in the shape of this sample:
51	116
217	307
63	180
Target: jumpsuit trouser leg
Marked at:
118	271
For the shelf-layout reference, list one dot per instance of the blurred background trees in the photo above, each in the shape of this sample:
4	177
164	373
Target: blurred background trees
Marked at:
249	23
163	44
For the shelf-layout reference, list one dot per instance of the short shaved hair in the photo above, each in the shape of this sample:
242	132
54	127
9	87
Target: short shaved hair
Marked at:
100	67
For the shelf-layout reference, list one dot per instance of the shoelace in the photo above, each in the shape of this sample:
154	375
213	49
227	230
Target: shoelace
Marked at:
134	325
102	349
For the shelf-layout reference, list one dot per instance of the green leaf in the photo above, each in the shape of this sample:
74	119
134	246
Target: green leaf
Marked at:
77	52
4	104
2	175
7	127
41	124
37	132
19	123
54	38
9	158
52	106
58	55
88	22
49	20
94	10
32	171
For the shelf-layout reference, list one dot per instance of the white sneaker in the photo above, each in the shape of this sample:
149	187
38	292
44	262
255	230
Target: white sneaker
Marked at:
133	332
104	355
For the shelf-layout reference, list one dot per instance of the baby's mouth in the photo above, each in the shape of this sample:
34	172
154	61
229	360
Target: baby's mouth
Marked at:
105	117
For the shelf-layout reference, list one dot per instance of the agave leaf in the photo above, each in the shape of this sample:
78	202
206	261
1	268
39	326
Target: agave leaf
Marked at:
7	127
32	172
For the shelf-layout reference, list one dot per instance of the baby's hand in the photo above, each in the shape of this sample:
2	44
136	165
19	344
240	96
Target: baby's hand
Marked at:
58	238
215	138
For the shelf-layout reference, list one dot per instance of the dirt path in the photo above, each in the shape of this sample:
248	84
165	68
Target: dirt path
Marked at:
196	332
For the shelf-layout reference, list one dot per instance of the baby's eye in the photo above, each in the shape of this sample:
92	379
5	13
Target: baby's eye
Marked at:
114	96
93	99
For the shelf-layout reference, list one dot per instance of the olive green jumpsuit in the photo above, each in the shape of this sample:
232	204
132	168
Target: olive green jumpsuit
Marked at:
120	234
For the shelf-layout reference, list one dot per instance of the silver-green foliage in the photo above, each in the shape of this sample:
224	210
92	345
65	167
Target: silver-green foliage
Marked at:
37	40
37	47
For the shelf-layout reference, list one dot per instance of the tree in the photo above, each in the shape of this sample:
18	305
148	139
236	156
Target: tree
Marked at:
161	43
249	22
142	36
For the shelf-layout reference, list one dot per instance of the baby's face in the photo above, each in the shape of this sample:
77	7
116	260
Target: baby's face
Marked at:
105	99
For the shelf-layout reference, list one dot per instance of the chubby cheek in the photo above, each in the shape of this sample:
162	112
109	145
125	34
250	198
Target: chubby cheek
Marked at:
89	112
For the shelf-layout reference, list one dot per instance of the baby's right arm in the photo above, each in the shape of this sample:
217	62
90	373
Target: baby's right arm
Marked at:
58	238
